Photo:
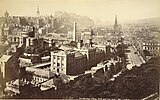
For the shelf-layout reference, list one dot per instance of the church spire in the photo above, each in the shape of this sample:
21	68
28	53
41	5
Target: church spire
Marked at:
115	19
6	14
38	12
116	25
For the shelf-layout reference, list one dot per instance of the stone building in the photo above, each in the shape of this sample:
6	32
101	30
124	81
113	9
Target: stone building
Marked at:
152	46
94	54
68	62
38	75
9	67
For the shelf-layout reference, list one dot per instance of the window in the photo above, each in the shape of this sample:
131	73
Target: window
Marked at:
58	64
62	64
58	70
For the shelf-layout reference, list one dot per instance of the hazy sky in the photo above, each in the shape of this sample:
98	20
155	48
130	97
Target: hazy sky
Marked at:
97	9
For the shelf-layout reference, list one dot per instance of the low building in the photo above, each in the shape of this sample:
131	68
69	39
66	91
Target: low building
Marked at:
55	82
15	86
48	85
17	39
38	75
105	48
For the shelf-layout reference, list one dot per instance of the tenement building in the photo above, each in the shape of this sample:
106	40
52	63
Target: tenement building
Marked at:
153	48
9	67
74	61
68	62
94	56
145	45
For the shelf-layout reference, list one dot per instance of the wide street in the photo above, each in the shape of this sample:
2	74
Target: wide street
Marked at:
134	58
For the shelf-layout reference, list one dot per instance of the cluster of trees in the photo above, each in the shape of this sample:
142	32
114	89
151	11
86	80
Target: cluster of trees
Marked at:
147	53
137	83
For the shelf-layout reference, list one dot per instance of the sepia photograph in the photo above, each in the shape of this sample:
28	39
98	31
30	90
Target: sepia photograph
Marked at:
80	49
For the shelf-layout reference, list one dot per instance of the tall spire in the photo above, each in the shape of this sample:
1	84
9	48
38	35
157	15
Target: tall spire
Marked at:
6	14
115	19
116	25
38	12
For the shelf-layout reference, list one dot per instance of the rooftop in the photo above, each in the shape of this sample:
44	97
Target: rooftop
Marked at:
5	58
98	50
18	82
48	83
41	64
78	54
66	47
40	72
55	37
63	52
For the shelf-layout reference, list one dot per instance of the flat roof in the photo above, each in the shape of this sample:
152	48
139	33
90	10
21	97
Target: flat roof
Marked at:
40	72
41	65
5	58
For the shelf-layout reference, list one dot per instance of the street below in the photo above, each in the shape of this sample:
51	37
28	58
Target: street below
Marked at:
134	58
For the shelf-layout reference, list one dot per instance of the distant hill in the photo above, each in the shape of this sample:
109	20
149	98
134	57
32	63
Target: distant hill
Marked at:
66	21
148	21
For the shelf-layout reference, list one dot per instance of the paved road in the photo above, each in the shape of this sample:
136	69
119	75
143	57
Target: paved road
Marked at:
134	59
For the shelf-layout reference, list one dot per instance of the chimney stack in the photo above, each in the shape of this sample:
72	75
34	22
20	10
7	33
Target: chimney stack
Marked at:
74	31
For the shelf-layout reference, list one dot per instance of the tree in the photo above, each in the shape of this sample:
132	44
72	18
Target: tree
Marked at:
147	53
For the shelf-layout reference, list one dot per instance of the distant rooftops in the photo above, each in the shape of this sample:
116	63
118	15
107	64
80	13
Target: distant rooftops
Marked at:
55	36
